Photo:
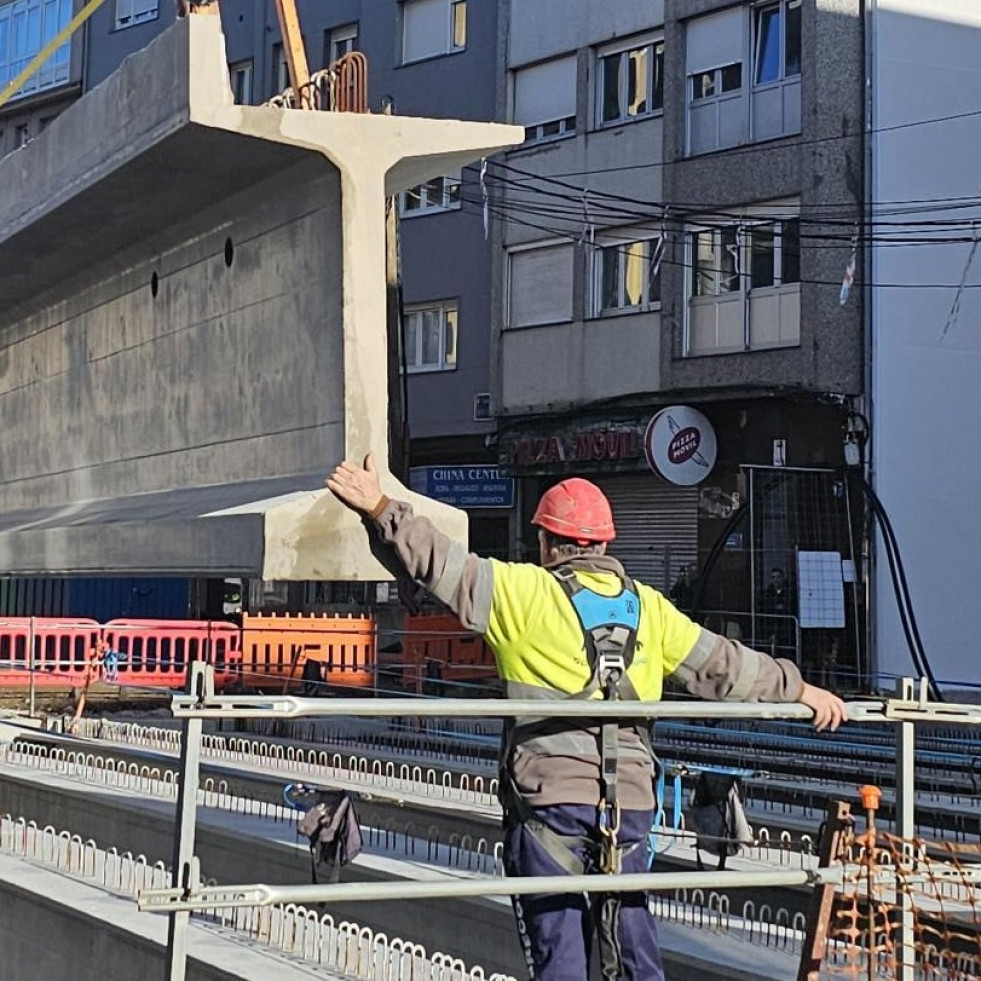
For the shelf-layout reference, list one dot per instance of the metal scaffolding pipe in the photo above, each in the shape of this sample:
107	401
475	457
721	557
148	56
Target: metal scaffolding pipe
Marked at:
223	897
264	706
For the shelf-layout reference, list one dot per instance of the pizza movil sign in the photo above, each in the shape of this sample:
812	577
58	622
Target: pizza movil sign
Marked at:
680	445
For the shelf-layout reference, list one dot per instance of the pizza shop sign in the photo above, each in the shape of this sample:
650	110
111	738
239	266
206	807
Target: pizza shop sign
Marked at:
613	444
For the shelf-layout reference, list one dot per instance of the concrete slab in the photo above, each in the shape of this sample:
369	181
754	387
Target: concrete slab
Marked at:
192	323
60	929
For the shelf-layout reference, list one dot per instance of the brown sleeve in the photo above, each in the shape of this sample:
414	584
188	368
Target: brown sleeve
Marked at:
412	545
720	669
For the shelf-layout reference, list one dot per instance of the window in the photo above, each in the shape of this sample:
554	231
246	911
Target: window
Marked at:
776	69
540	285
631	83
130	12
744	285
22	135
280	80
340	41
438	194
430	337
545	99
627	276
240	75
433	27
776	35
26	26
458	24
743	67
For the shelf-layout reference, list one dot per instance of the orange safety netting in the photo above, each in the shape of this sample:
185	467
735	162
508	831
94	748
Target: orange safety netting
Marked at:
908	908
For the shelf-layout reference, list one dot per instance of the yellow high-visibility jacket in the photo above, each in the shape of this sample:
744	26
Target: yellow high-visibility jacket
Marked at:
539	645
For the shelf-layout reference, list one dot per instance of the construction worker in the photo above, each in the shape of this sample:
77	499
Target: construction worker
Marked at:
577	797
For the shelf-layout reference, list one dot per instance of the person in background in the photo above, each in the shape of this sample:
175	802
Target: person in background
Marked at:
577	795
682	593
778	600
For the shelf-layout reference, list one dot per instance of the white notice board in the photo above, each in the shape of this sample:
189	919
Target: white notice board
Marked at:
821	592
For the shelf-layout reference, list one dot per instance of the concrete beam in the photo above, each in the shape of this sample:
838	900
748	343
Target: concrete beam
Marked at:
192	323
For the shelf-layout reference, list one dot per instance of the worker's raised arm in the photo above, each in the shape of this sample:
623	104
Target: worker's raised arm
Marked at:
412	546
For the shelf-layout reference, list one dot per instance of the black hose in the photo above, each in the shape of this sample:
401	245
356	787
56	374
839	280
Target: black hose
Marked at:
900	584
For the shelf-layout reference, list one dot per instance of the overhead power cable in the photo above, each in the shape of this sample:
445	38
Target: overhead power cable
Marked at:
794	146
573	236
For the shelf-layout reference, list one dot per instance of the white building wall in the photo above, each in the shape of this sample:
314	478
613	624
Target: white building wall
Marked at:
926	362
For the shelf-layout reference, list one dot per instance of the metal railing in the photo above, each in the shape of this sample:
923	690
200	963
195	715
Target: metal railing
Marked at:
200	702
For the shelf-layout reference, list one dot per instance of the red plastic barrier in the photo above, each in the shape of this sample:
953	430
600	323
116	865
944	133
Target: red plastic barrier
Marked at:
61	649
157	652
440	639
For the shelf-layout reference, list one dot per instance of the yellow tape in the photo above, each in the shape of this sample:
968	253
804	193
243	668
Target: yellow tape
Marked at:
49	49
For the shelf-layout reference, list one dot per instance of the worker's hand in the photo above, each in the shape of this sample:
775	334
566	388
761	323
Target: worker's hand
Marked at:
355	486
829	710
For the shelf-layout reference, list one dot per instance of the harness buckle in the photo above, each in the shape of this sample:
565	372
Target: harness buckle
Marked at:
611	662
610	668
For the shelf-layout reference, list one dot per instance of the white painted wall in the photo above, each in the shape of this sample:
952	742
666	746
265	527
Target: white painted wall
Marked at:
926	447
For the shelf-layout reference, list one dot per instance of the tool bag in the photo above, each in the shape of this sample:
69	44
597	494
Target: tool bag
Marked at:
331	826
717	817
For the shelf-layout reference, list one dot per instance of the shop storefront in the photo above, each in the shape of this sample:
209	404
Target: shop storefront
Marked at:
656	519
483	490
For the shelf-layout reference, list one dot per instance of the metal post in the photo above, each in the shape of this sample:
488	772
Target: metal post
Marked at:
752	557
31	667
870	796
905	829
200	682
836	822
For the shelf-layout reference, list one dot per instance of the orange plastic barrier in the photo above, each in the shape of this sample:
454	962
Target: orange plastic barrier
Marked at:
61	649
340	648
157	652
438	642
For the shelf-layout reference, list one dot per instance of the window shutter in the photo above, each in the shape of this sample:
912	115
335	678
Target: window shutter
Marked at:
656	524
716	40
541	286
425	28
545	92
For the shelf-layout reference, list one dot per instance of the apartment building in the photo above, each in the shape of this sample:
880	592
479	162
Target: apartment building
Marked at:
674	234
27	26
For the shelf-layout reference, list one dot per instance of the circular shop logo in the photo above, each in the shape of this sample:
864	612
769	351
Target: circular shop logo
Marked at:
680	445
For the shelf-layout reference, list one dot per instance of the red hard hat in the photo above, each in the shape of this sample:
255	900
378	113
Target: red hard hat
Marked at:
576	509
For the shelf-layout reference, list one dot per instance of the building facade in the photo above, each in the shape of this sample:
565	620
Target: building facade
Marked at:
672	241
27	26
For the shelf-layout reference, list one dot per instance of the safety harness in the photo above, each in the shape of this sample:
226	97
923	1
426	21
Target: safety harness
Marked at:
609	625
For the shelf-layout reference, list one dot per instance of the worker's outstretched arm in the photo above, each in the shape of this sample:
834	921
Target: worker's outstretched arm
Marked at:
722	669
459	579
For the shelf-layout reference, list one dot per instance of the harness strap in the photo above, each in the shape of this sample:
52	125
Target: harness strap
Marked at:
610	649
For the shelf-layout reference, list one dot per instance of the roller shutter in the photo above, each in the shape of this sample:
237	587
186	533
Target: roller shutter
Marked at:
657	526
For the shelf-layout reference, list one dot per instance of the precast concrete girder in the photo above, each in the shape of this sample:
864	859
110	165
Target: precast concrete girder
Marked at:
192	323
